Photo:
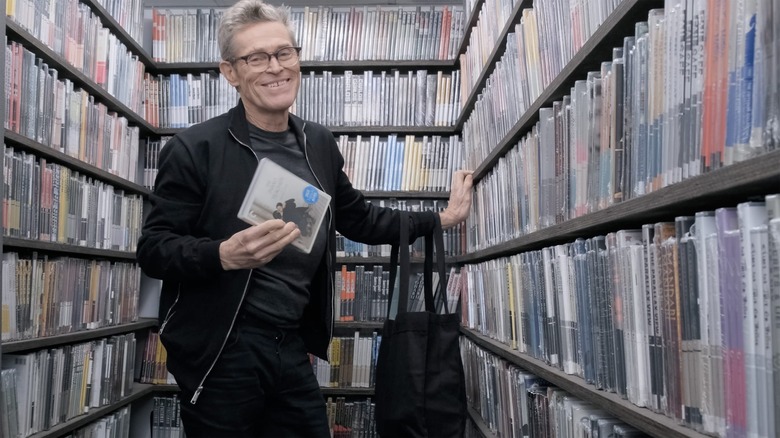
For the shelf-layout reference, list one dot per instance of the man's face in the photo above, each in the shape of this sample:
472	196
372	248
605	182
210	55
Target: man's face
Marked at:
264	91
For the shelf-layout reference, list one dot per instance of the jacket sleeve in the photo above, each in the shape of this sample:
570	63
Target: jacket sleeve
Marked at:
169	247
367	222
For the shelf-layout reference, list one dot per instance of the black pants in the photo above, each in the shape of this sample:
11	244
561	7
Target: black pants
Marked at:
262	386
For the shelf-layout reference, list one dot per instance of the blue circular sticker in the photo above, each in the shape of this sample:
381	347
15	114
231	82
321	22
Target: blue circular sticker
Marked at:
311	195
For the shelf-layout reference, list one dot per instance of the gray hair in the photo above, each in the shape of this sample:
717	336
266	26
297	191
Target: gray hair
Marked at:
247	12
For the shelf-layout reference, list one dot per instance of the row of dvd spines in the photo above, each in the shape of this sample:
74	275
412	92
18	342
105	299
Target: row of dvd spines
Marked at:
454	238
407	163
48	296
373	163
56	113
578	159
129	14
49	17
383	98
514	403
113	425
676	316
666	107
50	386
454	245
76	35
325	33
482	39
352	362
51	203
351	419
166	417
363	293
549	34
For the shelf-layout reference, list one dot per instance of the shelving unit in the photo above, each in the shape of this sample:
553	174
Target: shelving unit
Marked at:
344	326
313	66
15	32
21	142
3	20
120	33
362	130
348	392
479	424
79	336
644	419
140	391
725	186
595	50
708	191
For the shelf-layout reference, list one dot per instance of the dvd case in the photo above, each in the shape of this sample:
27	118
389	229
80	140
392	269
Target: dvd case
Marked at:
277	193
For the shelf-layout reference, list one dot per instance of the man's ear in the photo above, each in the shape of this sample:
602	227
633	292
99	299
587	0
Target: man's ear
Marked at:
229	72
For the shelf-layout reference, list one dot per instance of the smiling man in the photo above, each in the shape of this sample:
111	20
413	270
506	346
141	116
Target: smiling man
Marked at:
263	64
240	307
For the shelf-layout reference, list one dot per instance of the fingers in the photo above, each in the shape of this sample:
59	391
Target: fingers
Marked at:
268	231
459	202
257	245
268	237
462	180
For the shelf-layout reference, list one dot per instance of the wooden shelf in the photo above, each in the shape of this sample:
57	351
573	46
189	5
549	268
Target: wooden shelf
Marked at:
464	43
347	392
363	130
357	325
21	142
387	130
119	32
373	260
65	70
596	50
66	249
641	418
361	66
167	68
398	194
483	428
83	335
719	188
468	102
139	391
337	67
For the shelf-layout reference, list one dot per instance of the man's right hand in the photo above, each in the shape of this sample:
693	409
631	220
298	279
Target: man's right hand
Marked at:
257	245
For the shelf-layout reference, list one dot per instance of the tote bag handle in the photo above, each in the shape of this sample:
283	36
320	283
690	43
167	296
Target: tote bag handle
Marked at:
433	239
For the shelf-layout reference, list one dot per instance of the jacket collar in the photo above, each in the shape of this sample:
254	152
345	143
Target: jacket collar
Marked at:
239	125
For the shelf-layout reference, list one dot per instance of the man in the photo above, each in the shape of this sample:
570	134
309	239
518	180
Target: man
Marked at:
240	308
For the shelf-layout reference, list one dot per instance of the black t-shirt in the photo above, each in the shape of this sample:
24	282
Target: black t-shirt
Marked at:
279	291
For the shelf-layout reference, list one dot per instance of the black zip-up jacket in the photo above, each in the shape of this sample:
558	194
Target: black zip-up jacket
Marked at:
204	172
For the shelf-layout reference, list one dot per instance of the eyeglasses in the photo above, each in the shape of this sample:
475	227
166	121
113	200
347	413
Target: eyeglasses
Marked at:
286	56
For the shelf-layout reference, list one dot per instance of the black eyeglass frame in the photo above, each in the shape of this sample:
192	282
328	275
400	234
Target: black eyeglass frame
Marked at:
275	54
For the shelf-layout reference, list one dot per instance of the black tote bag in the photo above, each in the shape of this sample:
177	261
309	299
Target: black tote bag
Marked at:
420	386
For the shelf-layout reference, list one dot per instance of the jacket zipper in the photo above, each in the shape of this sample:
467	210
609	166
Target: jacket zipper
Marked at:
235	315
331	286
222	347
246	285
170	313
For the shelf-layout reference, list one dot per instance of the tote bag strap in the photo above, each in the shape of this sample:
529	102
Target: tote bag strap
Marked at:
401	269
402	272
435	240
